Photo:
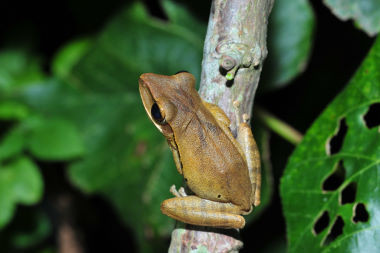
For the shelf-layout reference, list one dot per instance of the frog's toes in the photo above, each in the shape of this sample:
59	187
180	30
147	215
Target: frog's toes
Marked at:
182	192
236	104
245	118
174	191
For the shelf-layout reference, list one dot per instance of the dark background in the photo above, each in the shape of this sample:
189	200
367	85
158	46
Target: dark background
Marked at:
45	26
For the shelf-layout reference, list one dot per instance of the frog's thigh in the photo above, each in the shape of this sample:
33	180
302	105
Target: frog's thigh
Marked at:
249	147
218	113
203	212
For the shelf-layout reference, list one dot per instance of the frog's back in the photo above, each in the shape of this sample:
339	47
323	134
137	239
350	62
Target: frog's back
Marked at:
212	165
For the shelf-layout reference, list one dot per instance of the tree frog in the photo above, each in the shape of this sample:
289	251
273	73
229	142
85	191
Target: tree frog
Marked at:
222	172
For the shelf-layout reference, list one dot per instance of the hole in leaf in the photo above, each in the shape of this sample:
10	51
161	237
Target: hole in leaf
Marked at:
332	182
360	213
336	230
336	142
348	194
372	117
321	223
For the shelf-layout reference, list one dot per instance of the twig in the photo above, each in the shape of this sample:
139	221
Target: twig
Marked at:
234	51
235	47
278	126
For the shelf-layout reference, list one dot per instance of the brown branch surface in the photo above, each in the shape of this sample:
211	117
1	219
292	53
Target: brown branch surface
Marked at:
68	239
237	32
234	51
195	240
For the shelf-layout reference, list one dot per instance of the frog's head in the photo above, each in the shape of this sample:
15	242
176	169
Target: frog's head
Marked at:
168	100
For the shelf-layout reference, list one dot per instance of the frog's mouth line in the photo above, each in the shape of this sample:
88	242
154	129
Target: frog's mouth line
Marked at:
146	97
166	130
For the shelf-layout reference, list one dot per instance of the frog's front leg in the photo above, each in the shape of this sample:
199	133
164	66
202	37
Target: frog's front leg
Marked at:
249	147
203	212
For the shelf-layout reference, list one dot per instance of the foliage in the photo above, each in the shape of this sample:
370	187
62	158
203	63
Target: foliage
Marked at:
365	13
289	42
20	182
354	162
87	115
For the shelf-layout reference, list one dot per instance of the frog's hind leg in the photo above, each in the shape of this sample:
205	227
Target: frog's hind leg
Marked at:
249	146
202	212
253	159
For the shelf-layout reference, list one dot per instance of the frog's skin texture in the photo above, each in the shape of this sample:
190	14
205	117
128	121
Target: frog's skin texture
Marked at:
222	172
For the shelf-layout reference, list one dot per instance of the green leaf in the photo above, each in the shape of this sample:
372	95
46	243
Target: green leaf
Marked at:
365	13
184	21
132	44
126	158
290	39
11	110
12	143
164	174
55	139
32	231
68	57
20	182
326	194
18	68
29	228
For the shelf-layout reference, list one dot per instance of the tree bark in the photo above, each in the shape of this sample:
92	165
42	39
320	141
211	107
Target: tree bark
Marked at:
234	51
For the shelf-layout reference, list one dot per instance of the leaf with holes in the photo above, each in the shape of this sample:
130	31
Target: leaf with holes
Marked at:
331	185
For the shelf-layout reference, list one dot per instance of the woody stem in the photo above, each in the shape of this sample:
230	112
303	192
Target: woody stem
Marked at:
233	55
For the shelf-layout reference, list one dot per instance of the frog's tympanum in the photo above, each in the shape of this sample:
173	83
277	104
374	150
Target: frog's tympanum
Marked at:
222	172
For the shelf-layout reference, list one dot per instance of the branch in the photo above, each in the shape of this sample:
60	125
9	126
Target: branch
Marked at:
279	127
234	51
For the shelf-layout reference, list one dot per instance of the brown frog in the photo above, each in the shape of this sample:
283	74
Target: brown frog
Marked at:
222	172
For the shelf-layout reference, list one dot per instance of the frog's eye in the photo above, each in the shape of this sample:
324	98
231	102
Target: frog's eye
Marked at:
182	71
156	114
